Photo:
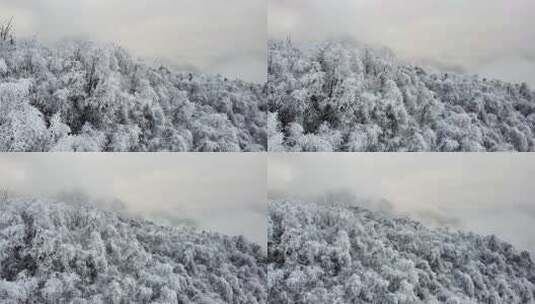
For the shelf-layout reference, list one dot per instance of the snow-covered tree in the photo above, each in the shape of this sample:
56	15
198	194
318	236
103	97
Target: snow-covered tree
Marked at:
75	253
373	102
337	253
82	96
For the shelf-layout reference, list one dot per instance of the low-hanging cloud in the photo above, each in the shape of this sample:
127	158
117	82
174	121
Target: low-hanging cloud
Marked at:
494	38
186	33
485	193
219	192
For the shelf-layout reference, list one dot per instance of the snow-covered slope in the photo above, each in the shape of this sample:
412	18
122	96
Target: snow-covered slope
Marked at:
82	96
340	254
57	253
341	96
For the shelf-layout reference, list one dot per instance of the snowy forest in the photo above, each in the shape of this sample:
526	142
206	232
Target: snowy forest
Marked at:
85	96
346	96
338	253
52	252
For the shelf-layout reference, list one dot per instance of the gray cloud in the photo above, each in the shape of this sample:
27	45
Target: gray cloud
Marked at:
486	193
219	192
493	38
185	32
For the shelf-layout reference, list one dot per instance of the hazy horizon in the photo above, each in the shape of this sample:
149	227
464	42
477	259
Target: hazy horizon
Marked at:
491	38
483	193
226	38
223	192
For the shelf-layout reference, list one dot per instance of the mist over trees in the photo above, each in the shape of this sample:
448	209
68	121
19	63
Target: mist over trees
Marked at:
328	253
344	96
57	253
84	96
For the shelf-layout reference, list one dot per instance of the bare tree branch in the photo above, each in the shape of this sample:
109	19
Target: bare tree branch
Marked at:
4	194
6	31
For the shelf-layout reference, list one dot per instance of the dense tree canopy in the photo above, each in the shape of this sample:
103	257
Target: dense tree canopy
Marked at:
82	96
341	96
341	254
58	253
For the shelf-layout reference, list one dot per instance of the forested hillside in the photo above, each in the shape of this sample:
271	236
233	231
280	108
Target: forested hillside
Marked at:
57	253
341	96
341	254
82	96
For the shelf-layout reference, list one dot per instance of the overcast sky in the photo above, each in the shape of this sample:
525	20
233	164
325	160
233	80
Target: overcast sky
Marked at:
488	193
215	36
220	192
495	38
